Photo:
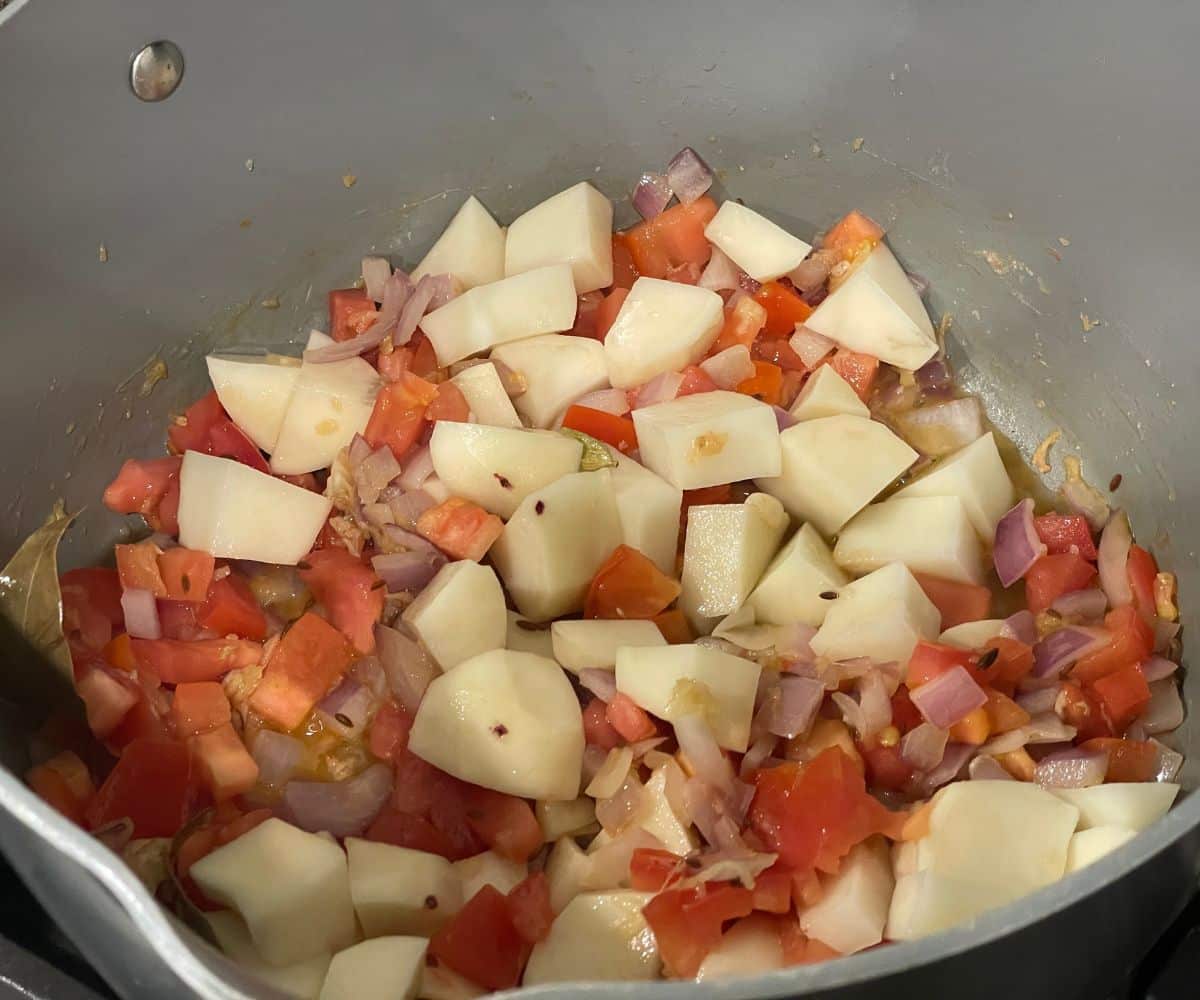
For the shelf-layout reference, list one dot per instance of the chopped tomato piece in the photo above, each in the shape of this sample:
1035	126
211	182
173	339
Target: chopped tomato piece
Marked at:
119	653
785	309
904	713
1124	694
671	240
1003	714
607	427
1128	760
629	719
1141	569
165	517
178	620
138	568
504	822
191	432
388	736
63	782
141	487
174	661
851	234
629	585
231	609
1132	640
227	440
481	942
687	923
793	382
141	722
243	824
394	363
779	352
351	312
459	528
199	707
1052	576
651	869
401	829
529	907
811	815
224	763
107	699
91	605
153	784
773	891
448	404
695	379
350	591
973	728
857	369
399	414
597	730
932	659
885	767
424	361
743	322
1013	660
1065	533
309	659
958	602
186	573
1080	708
606	312
674	626
766	383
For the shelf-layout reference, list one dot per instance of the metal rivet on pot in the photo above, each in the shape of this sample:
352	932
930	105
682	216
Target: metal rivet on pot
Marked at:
156	71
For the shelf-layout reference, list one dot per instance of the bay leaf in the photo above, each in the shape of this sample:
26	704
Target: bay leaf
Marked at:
595	454
31	602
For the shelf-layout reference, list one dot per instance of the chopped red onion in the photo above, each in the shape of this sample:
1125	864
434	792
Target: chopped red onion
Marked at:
851	711
783	419
711	813
660	389
342	808
1089	604
987	769
624	807
378	514
1164	713
1157	668
417	468
747	284
729	367
923	746
375	273
720	273
410	505
406	571
357	451
141	613
347	709
792	644
810	346
1017	545
1073	768
942	428
417	305
594	758
948	698
953	761
1020	626
727	865
278	757
875	702
1169	762
368	671
613	401
1039	701
1113	559
652	195
602	683
794	706
708	762
396	292
759	751
374	472
408	667
412	542
1043	728
934	378
1164	634
1061	648
811	274
1083	498
688	175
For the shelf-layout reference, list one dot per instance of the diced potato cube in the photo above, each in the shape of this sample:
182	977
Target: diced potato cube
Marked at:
672	681
648	507
1091	845
790	590
488	868
972	635
882	615
471	248
525	305
255	392
398	890
526	636
565	819
484	392
827	394
567	871
573	227
460	613
976	475
593	643
928	534
1133	805
557	369
660	819
762	249
710	438
853	910
662	326
750	947
301	979
834	466
598	936
387	968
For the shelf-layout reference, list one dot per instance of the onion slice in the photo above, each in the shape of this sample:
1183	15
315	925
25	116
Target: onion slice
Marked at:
720	274
611	774
415	307
810	346
948	698
375	273
729	367
278	757
409	669
396	293
794	705
987	769
953	761
688	175
1164	713
1157	668
347	709
923	746
342	808
1020	626
1017	545
1061	648
1113	559
1073	768
601	683
141	613
1087	604
406	571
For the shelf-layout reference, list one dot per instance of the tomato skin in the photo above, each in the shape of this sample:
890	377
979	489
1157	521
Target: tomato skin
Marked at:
529	907
1124	694
199	707
851	233
629	585
1065	533
141	722
401	829
350	591
399	414
459	528
308	660
174	661
597	730
153	783
857	369
504	822
351	312
231	609
187	573
765	384
785	309
1132	640
650	870
449	404
958	602
141	487
607	427
687	923
1052	576
481	942
671	240
227	440
1141	569
1128	760
744	321
629	719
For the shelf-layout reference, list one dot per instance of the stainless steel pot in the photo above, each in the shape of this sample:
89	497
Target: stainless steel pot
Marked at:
1034	161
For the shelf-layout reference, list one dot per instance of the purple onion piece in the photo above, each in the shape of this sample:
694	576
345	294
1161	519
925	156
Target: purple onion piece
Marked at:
1157	668
652	195
953	761
342	808
1087	604
1164	713
688	175
1061	648
409	668
948	698
348	708
277	755
1017	545
1113	558
923	746
374	472
1020	626
406	571
375	273
794	705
